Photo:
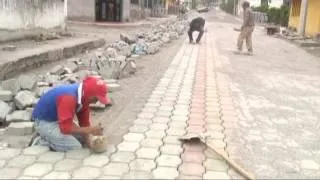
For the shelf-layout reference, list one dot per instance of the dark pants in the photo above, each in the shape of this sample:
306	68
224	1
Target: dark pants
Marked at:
190	32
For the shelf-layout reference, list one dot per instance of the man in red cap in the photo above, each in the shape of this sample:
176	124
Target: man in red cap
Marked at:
55	111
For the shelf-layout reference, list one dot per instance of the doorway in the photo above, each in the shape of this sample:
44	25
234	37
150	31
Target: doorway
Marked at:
108	10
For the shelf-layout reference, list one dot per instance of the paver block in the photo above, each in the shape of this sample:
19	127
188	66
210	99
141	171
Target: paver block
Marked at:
163	114
309	164
35	150
168	160
137	128
27	177
110	177
179	118
115	169
9	173
172	149
193	157
6	95
181	125
172	140
161	120
110	150
215	175
2	163
137	175
215	165
176	132
142	165
51	157
151	143
24	99
133	137
145	115
189	177
67	165
9	153
147	153
122	156
37	169
149	110
86	172
21	161
217	143
155	134
78	154
158	126
96	160
57	175
19	116
192	169
142	121
165	173
128	146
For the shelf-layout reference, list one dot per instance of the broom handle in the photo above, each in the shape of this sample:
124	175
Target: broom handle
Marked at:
232	163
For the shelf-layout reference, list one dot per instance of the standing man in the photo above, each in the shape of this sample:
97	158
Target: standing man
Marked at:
197	24
246	28
55	111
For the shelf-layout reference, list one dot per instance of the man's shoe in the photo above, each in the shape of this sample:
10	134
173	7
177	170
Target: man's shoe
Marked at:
238	51
250	53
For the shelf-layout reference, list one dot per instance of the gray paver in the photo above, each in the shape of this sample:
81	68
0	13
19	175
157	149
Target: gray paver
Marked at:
9	153
158	126
57	175
21	161
35	150
134	137
27	177
96	160
137	128
147	153
115	169
78	154
309	164
51	157
162	120
86	172
137	175
156	134
171	149
9	173
215	175
176	132
215	165
165	173
151	143
67	165
142	165
128	146
110	177
168	160
122	156
142	121
172	140
37	169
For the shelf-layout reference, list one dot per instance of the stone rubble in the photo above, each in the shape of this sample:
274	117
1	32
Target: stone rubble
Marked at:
110	63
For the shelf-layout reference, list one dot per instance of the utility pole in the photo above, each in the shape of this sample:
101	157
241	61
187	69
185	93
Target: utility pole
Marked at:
303	17
65	15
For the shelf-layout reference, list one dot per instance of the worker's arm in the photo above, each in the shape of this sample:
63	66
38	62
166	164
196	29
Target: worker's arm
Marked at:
246	17
84	121
66	107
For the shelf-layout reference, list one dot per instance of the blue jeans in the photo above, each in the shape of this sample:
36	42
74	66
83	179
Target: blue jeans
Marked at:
50	135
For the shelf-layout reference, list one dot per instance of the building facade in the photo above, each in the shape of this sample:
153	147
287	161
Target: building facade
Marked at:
311	24
29	14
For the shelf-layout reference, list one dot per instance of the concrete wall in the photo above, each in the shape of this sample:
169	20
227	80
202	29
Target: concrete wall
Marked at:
83	10
28	14
125	10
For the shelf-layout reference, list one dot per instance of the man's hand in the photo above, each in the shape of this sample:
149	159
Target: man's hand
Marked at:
97	130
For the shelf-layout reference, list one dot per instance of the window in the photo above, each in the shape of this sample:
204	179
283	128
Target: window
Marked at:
296	5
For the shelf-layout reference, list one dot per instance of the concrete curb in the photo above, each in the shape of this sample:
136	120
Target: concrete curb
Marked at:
28	59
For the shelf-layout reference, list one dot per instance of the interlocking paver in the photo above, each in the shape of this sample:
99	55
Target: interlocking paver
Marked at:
110	177
35	150
215	175
134	137
96	160
175	131
193	157
165	173
189	177
158	126
86	172
138	175
142	165
9	173
57	175
137	128
67	165
115	169
151	143
179	118
51	157
161	120
309	164
147	153
163	114
168	160
171	149
172	140
216	165
146	115
156	134
78	154
122	156
38	169
128	146
142	121
21	161
27	177
192	169
9	153
2	163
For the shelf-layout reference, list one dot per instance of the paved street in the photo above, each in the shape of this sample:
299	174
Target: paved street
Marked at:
262	110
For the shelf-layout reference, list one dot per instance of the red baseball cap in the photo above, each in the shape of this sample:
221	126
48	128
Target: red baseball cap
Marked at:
94	87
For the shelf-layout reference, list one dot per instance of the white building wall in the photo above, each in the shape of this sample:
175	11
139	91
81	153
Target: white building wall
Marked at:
28	14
